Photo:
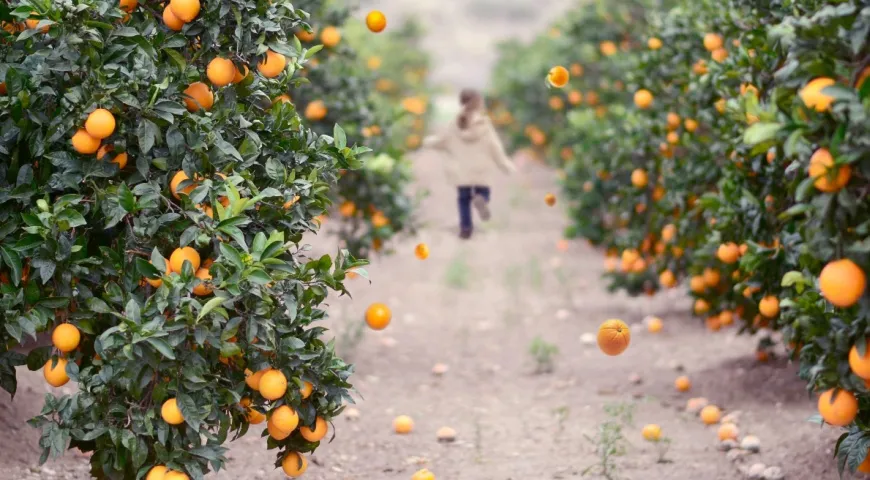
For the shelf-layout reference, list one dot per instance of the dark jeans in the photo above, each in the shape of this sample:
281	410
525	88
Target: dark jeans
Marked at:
465	196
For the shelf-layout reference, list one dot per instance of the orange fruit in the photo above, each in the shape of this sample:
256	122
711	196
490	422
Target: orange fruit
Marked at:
66	337
185	10
84	143
728	431
203	289
654	43
673	138
173	475
840	409
273	385
769	306
157	472
275	433
669	232
728	253
639	178
376	21
255	417
305	36
575	97
284	419
655	325
700	67
556	103
558	76
319	431
423	475
813	97
172	22
667	279
252	379
306	390
726	317
403	424
330	37
197	95
294	464
860	364
170	412
240	75
712	41
643	99
179	177
682	384
100	123
315	111
56	377
32	23
821	164
220	72
713	323
651	432
864	467
607	48
673	121
710	414
378	316
712	277
550	199
291	202
272	65
719	55
421	251
613	337
128	5
701	306
181	255
842	282
120	160
347	209
690	125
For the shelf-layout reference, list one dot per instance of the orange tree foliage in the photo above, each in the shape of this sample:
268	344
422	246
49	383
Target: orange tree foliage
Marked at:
746	178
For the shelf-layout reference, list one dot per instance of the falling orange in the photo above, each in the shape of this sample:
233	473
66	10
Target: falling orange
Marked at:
421	251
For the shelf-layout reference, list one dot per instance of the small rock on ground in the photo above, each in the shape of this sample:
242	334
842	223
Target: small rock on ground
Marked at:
773	473
751	443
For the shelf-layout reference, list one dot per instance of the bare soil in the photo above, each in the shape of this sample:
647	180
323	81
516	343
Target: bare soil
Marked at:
478	306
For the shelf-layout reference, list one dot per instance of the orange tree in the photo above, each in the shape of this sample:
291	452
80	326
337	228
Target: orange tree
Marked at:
739	162
345	84
154	203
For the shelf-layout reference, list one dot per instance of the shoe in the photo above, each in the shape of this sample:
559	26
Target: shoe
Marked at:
482	206
465	233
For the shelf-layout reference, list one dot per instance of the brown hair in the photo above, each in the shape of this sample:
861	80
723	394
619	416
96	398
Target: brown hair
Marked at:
471	101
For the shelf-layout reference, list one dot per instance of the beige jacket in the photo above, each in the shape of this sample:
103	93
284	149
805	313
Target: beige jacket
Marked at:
473	153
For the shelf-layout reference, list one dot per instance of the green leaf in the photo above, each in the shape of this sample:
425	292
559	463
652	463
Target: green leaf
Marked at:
761	132
209	306
232	255
161	346
339	136
147	132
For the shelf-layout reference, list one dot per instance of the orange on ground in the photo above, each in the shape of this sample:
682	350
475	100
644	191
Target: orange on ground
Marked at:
558	76
378	316
294	464
550	199
172	22
769	306
728	431
613	337
273	385
330	37
284	419
196	96
66	337
813	97
821	166
203	288
710	414
403	424
842	282
185	10
56	377
181	255
170	412
655	325
317	434
728	253
682	384
651	432
272	65
421	251
423	475
643	99
100	123
220	72
840	409
376	21
83	143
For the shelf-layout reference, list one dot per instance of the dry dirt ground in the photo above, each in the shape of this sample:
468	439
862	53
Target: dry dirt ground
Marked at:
478	306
